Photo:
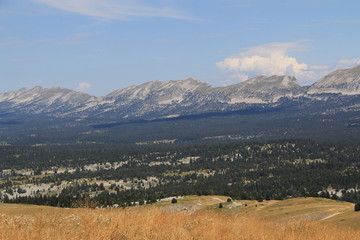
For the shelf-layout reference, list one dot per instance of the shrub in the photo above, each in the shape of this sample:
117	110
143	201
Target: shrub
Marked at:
357	207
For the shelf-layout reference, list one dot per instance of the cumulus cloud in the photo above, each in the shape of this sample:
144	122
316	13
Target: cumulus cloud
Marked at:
83	86
271	59
347	63
114	9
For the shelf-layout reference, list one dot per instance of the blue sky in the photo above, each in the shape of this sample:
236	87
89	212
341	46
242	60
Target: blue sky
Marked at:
97	46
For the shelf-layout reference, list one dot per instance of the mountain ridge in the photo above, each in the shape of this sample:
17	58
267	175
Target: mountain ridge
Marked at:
157	99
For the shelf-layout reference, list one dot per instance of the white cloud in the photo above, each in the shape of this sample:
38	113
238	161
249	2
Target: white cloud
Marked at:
347	63
83	86
271	59
112	9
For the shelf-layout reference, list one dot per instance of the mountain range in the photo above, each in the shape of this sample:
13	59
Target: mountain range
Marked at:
338	92
157	99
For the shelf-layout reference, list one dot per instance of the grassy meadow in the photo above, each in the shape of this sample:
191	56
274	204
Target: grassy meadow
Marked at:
192	217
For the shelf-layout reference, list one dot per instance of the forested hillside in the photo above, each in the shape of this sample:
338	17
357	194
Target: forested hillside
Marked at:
127	175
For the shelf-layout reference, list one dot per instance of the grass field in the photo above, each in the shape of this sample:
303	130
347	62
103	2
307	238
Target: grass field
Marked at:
292	219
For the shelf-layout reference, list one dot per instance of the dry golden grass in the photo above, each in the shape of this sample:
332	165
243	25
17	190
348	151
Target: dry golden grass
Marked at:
154	223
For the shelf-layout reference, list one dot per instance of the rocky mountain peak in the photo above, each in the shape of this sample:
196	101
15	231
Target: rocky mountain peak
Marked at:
343	81
263	82
154	88
262	89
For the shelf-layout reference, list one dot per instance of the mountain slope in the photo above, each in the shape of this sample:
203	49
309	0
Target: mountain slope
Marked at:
49	100
158	92
262	89
343	81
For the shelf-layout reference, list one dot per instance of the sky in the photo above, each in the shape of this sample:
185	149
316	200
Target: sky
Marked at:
98	46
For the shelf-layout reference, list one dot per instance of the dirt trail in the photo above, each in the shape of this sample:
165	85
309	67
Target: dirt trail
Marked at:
330	216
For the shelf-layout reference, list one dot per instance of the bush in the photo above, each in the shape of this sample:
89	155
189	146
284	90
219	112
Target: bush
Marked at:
174	200
357	207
